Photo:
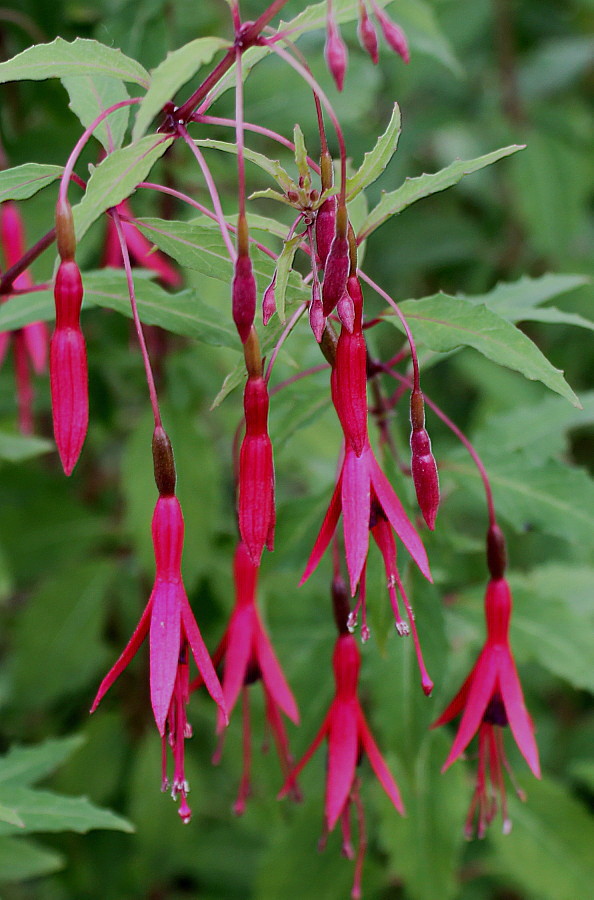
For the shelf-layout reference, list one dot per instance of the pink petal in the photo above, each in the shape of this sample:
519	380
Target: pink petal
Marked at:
165	639
356	503
289	783
272	674
126	656
457	704
200	654
237	656
397	517
326	531
378	765
515	708
343	745
481	691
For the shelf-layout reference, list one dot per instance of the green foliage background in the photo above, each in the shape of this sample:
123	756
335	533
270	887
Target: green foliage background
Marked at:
75	557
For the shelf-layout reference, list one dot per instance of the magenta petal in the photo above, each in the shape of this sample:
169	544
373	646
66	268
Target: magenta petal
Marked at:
126	656
165	638
517	714
326	531
272	674
356	503
343	745
200	654
378	765
481	691
397	517
237	656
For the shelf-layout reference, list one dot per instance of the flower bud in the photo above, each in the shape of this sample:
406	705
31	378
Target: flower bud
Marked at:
243	296
337	265
336	55
425	477
317	319
256	473
346	311
367	34
68	382
269	301
68	294
394	35
325	228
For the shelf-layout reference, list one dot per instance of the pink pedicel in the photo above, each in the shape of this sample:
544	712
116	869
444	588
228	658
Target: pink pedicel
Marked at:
247	656
491	698
68	367
173	634
256	510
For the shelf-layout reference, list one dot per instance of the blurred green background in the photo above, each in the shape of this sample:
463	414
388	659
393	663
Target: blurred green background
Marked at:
75	556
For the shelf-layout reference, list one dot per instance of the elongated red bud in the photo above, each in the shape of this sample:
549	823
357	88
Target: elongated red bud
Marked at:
68	294
256	473
346	311
367	34
337	265
325	228
336	54
269	301
243	296
393	34
69	390
317	320
425	477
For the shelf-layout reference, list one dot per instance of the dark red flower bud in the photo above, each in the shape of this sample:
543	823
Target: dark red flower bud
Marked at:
393	34
367	34
243	296
337	264
68	294
336	55
317	320
269	301
425	477
256	473
346	311
325	228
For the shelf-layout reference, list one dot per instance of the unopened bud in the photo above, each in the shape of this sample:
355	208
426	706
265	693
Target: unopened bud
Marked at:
65	234
243	296
496	551
68	294
425	477
394	35
269	301
325	228
292	196
316	313
346	311
367	34
163	463
336	55
337	265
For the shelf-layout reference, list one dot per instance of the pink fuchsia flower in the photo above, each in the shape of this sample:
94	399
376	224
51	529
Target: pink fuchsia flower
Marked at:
247	656
142	252
348	736
31	341
361	487
491	698
173	635
256	511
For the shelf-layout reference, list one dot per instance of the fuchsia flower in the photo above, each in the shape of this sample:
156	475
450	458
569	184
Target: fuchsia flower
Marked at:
247	655
256	472
491	698
140	248
348	736
335	50
31	341
173	634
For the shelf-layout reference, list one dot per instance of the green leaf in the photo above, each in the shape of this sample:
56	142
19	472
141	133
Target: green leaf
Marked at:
21	860
10	817
63	58
376	161
271	166
283	270
515	299
90	95
415	189
301	157
549	852
19	447
24	181
46	811
24	766
445	323
552	498
116	178
176	69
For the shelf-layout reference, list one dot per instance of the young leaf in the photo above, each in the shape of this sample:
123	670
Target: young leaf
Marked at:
377	159
176	69
45	811
63	58
24	181
92	95
21	860
116	178
10	817
283	270
415	189
520	301
445	323
24	766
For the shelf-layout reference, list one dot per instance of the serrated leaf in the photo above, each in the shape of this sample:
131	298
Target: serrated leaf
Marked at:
46	811
514	300
23	766
116	177
270	194
92	95
301	157
24	181
445	323
549	852
283	270
552	498
61	58
271	166
176	69
377	159
415	189
19	447
21	860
